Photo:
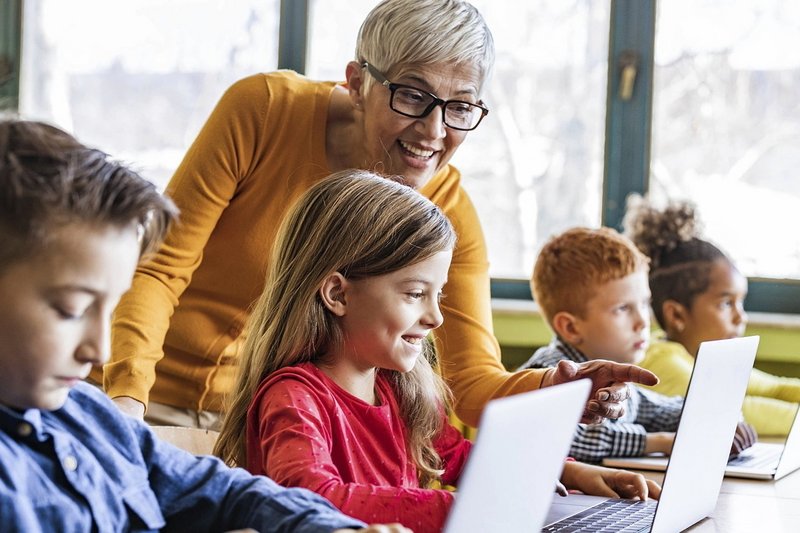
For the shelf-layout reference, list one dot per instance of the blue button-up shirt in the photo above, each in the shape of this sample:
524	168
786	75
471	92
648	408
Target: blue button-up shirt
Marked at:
88	467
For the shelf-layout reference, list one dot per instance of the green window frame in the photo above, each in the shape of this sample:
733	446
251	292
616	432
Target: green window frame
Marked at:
10	52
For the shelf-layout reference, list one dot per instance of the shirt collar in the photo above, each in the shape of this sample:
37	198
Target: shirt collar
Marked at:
11	422
570	352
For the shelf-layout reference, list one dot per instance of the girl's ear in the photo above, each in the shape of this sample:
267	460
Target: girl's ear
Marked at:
354	73
566	326
332	291
676	317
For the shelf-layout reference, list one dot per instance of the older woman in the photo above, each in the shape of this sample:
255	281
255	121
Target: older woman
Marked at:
411	96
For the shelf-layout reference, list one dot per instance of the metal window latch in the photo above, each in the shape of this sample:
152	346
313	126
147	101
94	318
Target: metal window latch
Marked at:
628	62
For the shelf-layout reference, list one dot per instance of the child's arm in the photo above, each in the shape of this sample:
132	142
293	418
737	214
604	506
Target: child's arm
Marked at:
593	442
659	442
656	412
294	446
744	437
768	416
130	480
610	482
453	449
203	494
779	388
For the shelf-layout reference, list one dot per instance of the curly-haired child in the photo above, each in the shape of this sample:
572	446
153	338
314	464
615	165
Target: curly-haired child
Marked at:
698	295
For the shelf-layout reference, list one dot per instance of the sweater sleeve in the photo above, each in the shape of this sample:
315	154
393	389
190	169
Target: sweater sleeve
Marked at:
771	403
769	386
768	416
769	406
297	451
453	449
593	442
657	412
200	493
202	187
672	364
469	354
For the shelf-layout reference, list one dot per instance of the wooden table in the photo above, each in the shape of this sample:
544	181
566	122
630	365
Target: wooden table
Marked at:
750	506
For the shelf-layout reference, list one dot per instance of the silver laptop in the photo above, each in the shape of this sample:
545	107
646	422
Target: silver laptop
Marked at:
509	479
697	465
763	460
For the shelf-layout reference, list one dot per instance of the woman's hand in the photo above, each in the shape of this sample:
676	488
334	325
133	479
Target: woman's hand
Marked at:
609	390
610	482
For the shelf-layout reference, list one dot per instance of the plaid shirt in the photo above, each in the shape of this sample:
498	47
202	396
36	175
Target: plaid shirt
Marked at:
645	412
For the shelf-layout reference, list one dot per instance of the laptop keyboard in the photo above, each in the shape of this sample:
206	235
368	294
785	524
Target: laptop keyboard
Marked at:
609	516
757	460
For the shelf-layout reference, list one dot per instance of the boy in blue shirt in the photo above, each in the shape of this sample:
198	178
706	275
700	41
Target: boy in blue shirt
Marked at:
72	227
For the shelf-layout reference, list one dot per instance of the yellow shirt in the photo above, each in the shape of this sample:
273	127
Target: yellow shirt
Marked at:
174	334
771	401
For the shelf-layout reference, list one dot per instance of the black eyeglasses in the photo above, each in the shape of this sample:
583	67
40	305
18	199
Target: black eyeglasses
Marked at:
416	103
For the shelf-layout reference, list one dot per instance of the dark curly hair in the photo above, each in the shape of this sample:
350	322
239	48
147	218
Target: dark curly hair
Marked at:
680	259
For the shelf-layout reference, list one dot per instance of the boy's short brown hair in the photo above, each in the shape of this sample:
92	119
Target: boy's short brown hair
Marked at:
573	264
48	179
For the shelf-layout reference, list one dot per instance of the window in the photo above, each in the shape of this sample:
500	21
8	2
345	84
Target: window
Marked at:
724	122
726	125
139	78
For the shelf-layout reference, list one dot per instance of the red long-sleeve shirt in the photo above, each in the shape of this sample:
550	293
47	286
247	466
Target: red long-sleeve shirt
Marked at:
304	430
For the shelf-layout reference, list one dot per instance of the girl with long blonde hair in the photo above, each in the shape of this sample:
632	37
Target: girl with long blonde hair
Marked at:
336	391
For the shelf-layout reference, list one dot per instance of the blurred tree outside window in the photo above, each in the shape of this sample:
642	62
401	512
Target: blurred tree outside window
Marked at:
138	78
726	125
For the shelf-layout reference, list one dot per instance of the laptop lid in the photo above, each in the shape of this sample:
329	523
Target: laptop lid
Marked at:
510	476
790	458
703	439
763	460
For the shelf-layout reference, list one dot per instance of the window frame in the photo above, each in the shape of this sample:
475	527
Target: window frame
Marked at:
10	53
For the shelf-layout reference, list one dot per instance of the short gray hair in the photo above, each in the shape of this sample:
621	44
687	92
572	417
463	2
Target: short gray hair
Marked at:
399	34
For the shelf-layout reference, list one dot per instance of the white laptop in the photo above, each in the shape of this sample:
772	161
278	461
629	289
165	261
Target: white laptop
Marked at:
519	453
763	460
699	455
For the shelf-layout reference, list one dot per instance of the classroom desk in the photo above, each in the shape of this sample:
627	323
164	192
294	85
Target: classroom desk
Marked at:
747	506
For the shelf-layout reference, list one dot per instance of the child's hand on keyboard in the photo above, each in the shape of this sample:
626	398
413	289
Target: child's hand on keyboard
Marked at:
610	482
744	437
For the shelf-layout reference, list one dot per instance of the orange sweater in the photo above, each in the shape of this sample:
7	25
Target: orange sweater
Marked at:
174	335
